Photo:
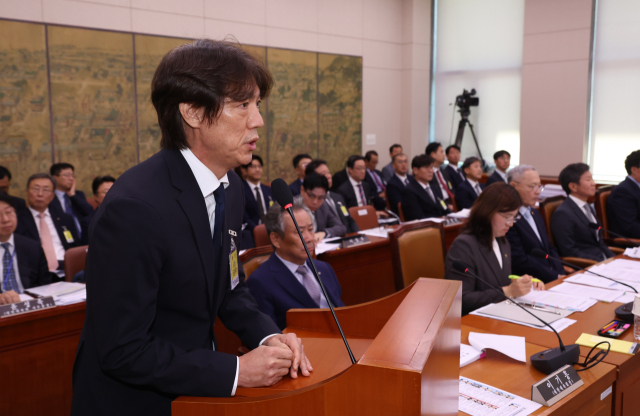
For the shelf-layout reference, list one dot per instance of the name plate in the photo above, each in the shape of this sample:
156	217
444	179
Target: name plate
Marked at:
556	386
26	306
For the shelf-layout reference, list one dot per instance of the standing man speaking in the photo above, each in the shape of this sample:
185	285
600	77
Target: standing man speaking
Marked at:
164	251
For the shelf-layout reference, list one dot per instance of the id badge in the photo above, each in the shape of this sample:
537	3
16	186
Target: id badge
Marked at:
345	212
233	265
270	203
444	206
67	235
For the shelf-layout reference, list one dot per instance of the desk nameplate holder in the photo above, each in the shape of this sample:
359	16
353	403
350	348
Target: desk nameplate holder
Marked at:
26	306
556	386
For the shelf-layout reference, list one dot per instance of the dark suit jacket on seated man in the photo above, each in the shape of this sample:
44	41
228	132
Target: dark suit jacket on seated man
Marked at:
445	186
286	280
355	190
257	201
398	181
530	232
69	200
163	262
469	190
502	159
451	171
373	176
313	194
623	205
570	221
418	199
300	163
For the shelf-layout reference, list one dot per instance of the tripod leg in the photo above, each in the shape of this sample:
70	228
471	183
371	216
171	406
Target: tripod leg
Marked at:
460	132
476	141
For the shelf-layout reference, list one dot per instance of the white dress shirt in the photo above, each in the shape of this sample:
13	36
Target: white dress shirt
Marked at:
257	191
496	251
502	175
403	179
14	266
293	268
475	186
356	189
208	183
427	188
526	214
585	207
57	244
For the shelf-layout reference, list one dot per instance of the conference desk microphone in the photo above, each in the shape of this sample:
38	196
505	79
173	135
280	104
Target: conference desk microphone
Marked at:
597	227
623	312
394	215
283	196
546	361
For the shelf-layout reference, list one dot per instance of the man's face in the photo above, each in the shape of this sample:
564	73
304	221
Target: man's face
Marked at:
372	163
289	246
528	188
358	172
65	179
5	184
424	174
324	170
313	198
401	165
503	162
396	151
8	221
102	191
453	156
302	165
586	188
40	194
474	171
438	155
254	171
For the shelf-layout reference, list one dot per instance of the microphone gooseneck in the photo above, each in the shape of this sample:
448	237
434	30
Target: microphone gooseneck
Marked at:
283	196
597	227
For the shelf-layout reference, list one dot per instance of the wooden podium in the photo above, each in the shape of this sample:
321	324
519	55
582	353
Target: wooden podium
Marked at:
408	351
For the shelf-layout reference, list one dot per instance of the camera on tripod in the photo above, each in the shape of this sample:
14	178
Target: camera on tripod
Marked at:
467	99
464	101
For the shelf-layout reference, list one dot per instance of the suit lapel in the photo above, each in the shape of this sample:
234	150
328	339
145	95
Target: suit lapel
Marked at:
23	264
532	234
290	284
582	218
490	258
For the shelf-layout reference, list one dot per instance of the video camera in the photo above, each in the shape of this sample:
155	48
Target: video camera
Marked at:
467	99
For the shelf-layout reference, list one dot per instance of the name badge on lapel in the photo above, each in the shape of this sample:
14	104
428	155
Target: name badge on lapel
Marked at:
67	235
233	264
345	212
442	203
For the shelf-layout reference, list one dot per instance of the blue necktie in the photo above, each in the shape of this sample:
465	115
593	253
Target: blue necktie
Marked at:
219	195
69	210
9	274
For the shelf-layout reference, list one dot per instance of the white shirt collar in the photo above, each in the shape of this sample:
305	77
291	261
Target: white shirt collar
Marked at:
453	166
59	193
36	213
11	244
501	173
207	181
353	181
291	266
402	178
472	182
524	210
423	185
579	202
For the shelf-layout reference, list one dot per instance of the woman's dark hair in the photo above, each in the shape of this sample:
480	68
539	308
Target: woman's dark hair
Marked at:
497	197
203	73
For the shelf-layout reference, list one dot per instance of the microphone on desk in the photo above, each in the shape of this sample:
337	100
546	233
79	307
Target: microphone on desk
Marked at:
546	361
623	312
393	214
283	196
598	227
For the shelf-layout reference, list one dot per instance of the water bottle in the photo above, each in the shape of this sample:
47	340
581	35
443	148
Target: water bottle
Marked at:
636	318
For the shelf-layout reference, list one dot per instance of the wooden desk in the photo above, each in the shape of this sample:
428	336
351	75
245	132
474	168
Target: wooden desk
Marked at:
510	375
37	351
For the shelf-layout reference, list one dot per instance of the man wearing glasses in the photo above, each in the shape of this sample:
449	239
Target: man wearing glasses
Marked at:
326	223
70	200
529	231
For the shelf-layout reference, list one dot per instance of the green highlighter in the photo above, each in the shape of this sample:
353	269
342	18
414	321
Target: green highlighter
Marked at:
514	277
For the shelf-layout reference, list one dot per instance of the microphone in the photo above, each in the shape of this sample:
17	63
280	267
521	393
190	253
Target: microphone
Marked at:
283	196
597	227
393	214
545	361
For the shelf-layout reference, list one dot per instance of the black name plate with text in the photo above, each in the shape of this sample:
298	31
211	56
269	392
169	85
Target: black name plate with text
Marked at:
26	306
556	386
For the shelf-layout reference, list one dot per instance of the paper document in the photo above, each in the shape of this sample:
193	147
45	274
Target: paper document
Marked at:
433	219
460	214
508	345
596	293
24	296
479	399
71	298
626	298
375	232
322	247
469	354
559	325
558	300
56	289
596	281
633	252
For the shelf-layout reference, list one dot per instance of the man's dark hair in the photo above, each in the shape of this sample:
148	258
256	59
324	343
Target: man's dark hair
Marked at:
453	146
393	146
254	157
572	174
313	165
497	197
497	155
367	156
56	168
298	158
632	161
41	176
203	73
313	181
432	147
469	161
99	180
351	162
5	197
393	159
4	172
421	161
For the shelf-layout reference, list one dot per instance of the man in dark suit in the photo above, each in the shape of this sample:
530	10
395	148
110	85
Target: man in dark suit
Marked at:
60	233
398	181
5	186
469	190
570	221
164	262
529	232
69	200
418	199
623	205
300	163
286	280
356	191
23	263
502	158
334	200
445	186
387	171
452	172
257	196
373	176
313	193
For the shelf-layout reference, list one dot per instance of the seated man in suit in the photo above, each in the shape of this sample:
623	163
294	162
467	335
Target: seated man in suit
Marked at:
452	171
502	158
300	163
24	264
418	199
100	187
374	176
5	186
334	200
70	200
326	223
45	223
257	196
469	190
286	280
623	205
387	171
530	232
398	181
440	181
356	191
570	222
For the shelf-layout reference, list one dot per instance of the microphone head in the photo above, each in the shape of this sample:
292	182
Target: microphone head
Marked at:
536	252
460	266
282	193
594	226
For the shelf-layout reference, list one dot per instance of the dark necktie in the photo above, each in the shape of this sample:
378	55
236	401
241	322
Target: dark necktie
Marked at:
364	201
219	195
8	268
260	204
69	210
406	181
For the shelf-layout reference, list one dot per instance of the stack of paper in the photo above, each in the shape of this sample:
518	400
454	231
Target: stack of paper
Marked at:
557	299
596	293
559	325
479	399
633	252
64	293
70	298
322	247
375	232
460	214
596	281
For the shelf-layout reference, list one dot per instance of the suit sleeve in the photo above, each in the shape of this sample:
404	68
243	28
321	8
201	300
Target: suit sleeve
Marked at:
462	198
411	206
393	195
623	207
334	227
43	276
523	263
338	289
79	201
563	232
124	265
